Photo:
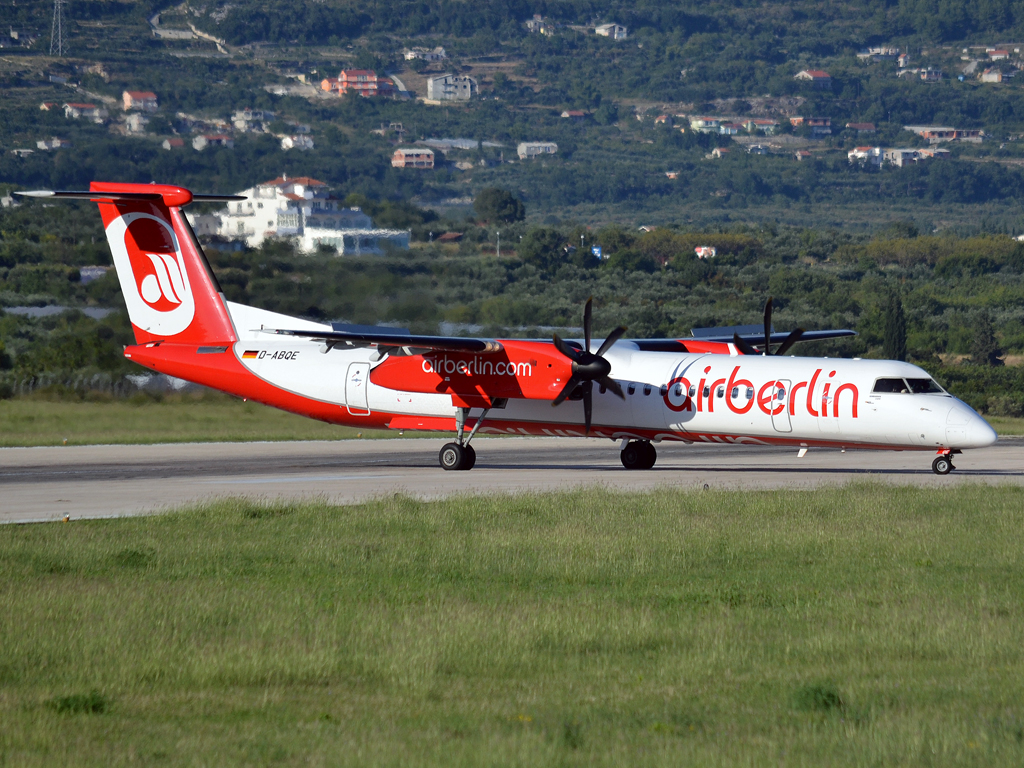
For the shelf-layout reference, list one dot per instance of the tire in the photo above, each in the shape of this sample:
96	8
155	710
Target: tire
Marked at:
470	459
638	454
650	455
942	465
452	456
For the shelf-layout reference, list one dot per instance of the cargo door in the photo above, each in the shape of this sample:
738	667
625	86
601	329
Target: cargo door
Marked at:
356	384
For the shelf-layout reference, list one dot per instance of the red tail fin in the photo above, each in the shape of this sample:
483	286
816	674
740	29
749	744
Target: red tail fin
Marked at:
170	290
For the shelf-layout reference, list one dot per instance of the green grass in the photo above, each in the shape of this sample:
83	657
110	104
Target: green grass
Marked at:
864	625
1006	425
173	419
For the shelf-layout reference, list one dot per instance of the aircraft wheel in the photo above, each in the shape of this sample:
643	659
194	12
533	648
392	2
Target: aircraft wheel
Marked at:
651	455
942	465
452	457
638	454
470	460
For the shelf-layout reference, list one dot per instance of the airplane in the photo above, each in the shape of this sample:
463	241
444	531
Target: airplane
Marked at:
717	387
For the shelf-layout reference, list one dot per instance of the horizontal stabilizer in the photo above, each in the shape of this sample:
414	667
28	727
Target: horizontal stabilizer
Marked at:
148	197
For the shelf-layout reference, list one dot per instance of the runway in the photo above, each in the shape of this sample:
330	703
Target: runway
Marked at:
40	484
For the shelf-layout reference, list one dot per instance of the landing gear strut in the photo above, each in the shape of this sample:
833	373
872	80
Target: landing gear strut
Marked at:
460	454
638	454
943	464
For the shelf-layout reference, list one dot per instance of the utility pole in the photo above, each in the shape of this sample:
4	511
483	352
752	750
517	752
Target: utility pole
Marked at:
59	32
499	244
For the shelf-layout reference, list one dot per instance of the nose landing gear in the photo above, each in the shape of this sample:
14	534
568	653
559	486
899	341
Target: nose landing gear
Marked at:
943	463
638	454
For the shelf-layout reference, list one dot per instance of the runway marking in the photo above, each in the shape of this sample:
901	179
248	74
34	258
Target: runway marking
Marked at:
299	479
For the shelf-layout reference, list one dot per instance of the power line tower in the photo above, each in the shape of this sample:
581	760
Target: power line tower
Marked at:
59	32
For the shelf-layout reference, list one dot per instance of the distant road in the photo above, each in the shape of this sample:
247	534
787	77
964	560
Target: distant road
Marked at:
38	484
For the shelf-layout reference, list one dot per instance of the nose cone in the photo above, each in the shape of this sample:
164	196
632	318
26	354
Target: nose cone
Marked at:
980	434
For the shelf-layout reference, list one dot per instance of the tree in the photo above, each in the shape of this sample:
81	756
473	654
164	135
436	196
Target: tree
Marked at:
894	341
984	347
542	247
498	205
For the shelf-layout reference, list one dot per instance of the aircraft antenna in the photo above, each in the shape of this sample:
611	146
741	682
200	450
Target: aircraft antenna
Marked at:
59	31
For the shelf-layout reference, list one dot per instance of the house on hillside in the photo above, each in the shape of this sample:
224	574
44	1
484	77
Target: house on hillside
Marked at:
360	82
74	111
302	210
576	115
296	142
201	142
865	155
614	31
818	78
991	75
412	157
901	157
861	127
997	54
48	144
527	150
706	124
437	54
936	134
539	26
719	152
820	126
802	154
767	127
144	100
174	143
451	88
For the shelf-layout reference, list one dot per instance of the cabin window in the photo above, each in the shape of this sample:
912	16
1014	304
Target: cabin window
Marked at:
780	395
924	386
693	390
721	392
890	385
735	394
707	391
664	390
647	389
631	389
750	393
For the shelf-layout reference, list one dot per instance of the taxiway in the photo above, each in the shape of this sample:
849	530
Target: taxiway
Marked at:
39	484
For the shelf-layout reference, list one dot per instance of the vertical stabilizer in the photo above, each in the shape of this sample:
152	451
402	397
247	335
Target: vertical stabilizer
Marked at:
168	286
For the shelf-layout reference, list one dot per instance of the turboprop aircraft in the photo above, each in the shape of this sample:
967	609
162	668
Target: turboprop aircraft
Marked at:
717	387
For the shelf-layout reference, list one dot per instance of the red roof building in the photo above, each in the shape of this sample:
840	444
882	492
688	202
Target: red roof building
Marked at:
361	82
144	100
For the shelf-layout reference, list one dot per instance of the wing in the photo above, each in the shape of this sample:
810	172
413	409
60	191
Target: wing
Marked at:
391	343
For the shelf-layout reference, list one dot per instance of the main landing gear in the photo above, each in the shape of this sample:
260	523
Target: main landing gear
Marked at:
638	454
460	454
943	463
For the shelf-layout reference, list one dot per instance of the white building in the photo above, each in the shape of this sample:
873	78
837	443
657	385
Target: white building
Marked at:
301	209
528	150
296	142
451	88
136	122
901	157
866	155
438	54
247	119
614	31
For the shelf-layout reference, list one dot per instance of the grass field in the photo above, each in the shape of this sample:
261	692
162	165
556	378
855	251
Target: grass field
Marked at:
204	418
856	626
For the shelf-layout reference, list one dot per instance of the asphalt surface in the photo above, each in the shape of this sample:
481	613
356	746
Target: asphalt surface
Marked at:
40	484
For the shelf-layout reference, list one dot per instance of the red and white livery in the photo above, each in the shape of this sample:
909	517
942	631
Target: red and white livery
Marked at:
638	392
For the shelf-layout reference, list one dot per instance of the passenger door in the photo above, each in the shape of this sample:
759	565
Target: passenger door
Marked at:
355	389
780	396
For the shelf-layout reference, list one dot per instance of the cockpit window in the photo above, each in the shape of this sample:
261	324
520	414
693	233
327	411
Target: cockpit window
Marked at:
890	385
924	386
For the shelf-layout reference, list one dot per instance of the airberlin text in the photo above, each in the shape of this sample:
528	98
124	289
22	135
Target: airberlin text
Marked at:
771	397
474	366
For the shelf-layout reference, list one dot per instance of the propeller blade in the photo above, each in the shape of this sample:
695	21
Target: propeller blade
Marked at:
744	346
564	348
612	338
588	320
768	326
792	339
612	386
570	385
588	405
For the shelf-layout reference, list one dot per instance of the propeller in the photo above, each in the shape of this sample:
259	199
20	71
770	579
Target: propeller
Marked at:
588	367
749	349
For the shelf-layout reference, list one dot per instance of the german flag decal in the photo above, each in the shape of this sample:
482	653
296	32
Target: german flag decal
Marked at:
250	354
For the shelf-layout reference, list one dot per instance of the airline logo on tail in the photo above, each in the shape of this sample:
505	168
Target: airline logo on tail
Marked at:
152	273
